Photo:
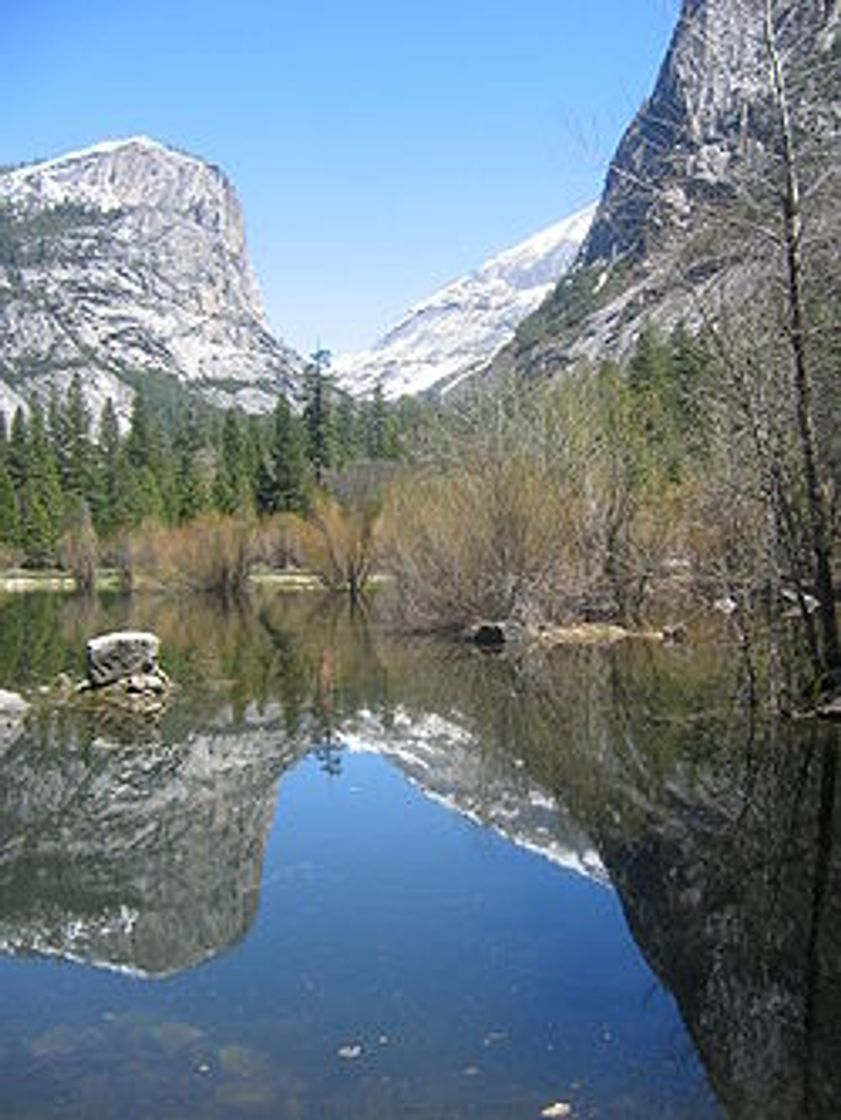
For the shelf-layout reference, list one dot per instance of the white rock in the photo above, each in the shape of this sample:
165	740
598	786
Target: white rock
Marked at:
121	654
12	704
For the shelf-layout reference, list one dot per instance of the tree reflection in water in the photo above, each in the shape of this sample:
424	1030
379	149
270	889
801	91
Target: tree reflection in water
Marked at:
718	829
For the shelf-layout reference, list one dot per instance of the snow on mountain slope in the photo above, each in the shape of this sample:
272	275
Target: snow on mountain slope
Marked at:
129	258
447	336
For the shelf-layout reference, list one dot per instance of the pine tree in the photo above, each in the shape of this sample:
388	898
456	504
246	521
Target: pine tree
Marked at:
381	434
231	491
108	452
193	496
17	453
39	533
144	438
9	512
318	414
690	366
76	449
284	484
54	422
255	451
130	504
655	401
42	504
349	444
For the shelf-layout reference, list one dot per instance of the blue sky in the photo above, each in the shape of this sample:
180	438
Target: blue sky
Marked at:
379	147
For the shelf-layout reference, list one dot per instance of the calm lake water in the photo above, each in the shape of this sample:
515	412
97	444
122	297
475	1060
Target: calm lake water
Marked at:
354	876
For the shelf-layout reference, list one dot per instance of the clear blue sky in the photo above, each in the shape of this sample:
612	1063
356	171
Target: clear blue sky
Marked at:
379	147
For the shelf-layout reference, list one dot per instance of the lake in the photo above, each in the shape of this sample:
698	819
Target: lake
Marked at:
353	875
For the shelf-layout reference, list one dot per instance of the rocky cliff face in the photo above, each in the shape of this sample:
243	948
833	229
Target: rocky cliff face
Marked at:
453	333
124	259
701	152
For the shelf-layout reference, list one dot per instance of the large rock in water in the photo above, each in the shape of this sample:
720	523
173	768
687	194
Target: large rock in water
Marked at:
123	653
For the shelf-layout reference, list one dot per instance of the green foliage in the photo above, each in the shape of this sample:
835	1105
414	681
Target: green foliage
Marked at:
10	528
566	500
285	481
319	416
179	459
39	534
71	435
232	490
381	440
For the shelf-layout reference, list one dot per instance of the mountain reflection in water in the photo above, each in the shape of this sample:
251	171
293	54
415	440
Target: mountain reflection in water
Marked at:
631	766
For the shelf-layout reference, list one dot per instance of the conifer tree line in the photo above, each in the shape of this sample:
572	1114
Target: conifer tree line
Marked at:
60	466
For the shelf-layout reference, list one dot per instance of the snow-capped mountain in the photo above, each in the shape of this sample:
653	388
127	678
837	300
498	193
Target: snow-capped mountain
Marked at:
126	258
449	335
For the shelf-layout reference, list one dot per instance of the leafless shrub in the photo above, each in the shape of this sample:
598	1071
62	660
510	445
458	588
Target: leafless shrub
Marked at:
78	548
212	553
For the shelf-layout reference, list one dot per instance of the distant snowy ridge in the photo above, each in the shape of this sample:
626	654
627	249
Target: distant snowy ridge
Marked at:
444	338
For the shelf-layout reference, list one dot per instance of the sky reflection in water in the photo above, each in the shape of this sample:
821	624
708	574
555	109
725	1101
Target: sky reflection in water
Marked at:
326	938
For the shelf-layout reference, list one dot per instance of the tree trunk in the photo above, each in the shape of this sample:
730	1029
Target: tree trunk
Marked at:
821	543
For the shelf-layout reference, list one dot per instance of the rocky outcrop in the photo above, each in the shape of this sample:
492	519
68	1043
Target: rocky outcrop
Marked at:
702	146
125	259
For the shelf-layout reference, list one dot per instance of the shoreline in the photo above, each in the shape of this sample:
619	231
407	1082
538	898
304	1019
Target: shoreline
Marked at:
16	581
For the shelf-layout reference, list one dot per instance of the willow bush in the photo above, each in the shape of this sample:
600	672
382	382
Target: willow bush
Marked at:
212	553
